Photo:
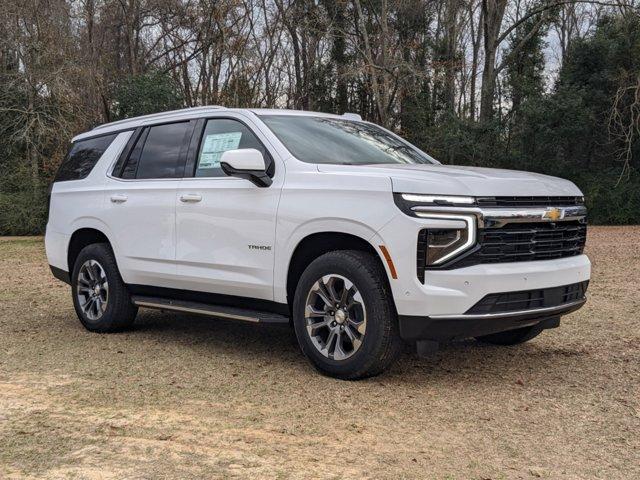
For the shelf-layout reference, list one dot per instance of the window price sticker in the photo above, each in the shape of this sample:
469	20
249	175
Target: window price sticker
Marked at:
215	145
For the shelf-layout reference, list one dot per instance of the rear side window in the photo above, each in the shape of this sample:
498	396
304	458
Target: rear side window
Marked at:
82	157
158	152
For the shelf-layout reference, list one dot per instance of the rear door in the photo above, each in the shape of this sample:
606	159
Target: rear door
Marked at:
226	225
140	203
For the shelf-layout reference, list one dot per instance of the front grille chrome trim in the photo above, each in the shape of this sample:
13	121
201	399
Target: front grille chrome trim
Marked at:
545	311
498	217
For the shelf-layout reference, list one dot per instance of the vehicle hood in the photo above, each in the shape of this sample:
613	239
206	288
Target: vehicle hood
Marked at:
459	180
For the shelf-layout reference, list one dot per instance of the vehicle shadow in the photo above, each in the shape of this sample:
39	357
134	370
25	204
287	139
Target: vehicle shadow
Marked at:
277	345
215	333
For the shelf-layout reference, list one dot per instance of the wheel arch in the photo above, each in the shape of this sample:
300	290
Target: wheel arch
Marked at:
81	238
316	244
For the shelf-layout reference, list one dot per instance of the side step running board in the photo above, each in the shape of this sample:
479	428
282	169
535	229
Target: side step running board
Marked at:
233	313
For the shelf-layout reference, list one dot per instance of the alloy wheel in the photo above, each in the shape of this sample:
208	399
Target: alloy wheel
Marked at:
92	290
336	317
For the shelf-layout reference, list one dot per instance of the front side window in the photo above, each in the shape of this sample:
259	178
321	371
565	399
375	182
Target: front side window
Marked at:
315	139
82	157
220	135
157	153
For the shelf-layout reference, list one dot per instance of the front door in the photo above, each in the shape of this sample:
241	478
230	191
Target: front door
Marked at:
226	226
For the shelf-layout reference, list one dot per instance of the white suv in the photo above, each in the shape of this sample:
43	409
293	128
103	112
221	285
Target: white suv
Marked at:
337	226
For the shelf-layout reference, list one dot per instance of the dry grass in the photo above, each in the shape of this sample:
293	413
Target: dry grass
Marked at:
189	397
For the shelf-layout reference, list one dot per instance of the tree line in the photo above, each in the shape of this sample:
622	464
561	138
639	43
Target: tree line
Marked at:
545	85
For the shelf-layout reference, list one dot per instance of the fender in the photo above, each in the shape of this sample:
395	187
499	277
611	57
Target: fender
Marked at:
319	225
96	224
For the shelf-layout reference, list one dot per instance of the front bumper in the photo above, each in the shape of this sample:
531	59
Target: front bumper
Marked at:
449	327
454	306
454	292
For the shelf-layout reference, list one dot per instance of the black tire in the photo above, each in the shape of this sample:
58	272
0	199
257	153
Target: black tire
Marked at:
119	312
380	345
512	337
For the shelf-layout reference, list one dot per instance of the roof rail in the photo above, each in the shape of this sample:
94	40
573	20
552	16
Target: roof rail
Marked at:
151	116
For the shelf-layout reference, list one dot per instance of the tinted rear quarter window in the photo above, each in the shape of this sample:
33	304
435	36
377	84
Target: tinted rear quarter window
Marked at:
82	157
157	154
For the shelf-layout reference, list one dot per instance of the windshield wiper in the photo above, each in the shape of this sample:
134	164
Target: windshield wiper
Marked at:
402	147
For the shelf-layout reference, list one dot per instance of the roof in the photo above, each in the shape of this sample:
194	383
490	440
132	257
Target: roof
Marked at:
185	113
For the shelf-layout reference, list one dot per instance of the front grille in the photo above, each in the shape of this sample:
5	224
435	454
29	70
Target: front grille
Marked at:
529	201
524	242
529	299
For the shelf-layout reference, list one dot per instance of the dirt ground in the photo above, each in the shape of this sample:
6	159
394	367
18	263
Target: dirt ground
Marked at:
190	397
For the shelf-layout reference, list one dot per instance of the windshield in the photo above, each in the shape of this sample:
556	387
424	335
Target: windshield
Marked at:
314	139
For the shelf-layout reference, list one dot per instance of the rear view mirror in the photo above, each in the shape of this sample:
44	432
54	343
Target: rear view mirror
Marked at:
247	163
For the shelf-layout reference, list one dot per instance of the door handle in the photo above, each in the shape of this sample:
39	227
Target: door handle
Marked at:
190	198
118	198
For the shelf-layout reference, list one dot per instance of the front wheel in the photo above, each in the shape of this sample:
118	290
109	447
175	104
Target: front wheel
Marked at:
343	316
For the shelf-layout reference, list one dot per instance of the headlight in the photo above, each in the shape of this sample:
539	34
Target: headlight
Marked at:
448	232
438	244
444	243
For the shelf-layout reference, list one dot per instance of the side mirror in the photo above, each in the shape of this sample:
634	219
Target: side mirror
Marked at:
247	163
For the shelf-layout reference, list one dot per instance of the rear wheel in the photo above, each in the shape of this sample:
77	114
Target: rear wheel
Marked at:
100	297
512	337
344	319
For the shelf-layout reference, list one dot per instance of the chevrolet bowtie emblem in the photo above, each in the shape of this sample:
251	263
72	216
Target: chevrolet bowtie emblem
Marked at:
553	214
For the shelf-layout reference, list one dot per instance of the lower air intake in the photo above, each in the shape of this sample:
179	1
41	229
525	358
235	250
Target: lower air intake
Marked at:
530	299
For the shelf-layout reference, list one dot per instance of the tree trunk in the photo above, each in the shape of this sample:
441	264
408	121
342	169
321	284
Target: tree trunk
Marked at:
336	9
451	37
476	38
492	15
373	74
